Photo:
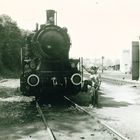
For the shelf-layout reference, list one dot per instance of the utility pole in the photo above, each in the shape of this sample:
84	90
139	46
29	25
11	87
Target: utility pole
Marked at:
102	63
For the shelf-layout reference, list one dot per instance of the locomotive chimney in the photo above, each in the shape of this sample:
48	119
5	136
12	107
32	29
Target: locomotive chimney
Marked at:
50	17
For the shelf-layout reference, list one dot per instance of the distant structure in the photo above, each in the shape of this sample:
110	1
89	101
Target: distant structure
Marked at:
125	62
116	65
112	64
135	60
88	62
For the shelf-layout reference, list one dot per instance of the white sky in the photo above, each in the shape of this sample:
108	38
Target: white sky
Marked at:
97	27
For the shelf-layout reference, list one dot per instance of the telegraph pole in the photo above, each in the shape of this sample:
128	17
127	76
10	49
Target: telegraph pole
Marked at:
102	63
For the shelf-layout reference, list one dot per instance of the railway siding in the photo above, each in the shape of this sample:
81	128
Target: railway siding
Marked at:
120	81
116	78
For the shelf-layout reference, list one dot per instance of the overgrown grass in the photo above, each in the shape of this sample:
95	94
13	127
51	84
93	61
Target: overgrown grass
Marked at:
9	74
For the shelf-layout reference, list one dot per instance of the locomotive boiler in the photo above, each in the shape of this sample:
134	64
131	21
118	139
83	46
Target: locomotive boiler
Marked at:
46	66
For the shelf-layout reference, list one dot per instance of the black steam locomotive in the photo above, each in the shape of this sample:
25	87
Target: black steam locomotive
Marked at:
46	67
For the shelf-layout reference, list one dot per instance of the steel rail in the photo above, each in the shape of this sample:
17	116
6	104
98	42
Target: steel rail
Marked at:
50	132
101	122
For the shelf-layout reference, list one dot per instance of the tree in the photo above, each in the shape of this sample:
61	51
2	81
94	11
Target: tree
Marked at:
11	40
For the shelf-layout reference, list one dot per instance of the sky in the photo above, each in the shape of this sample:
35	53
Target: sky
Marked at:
97	27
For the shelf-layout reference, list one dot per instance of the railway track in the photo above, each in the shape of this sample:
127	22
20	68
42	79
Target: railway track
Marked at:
51	133
113	131
47	128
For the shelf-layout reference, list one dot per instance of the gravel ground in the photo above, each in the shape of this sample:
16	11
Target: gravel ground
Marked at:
69	123
120	109
19	119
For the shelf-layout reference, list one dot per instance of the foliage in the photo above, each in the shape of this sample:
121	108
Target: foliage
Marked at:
11	40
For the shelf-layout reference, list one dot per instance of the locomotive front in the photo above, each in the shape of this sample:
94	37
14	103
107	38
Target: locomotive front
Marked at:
46	67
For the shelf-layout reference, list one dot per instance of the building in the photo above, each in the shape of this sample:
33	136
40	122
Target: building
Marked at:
125	62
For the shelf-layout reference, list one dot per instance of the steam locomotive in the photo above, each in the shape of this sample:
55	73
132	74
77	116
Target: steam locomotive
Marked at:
46	66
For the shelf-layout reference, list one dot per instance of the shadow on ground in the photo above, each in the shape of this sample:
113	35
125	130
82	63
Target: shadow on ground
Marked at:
110	102
84	99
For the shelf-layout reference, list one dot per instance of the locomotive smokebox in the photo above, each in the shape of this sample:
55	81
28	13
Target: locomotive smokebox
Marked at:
50	17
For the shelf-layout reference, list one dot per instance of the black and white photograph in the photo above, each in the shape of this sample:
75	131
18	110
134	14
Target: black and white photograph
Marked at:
69	70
